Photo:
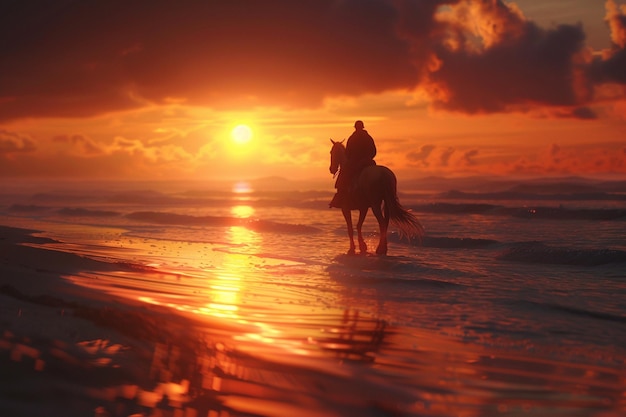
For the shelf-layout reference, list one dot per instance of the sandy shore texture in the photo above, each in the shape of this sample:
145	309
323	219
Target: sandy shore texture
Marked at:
69	351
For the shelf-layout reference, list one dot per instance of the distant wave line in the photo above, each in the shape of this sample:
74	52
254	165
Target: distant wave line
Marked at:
531	212
225	221
538	252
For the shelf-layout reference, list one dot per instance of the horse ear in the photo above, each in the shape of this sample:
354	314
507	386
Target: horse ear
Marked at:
342	141
332	141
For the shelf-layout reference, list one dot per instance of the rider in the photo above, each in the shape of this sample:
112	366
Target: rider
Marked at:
360	153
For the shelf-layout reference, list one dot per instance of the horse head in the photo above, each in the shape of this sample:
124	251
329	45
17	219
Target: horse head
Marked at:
337	156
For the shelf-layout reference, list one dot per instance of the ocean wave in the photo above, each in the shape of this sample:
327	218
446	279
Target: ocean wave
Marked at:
584	312
575	194
445	242
63	197
82	212
256	225
27	208
537	252
560	213
534	212
455	208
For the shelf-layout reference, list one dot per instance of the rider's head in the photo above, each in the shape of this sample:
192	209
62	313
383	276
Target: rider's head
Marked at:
358	125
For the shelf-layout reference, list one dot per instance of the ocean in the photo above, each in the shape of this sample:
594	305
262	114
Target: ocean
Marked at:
513	304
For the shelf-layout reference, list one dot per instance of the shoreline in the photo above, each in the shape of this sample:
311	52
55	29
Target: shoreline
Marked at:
67	349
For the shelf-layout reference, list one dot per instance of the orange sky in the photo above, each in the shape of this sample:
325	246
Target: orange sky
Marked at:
152	89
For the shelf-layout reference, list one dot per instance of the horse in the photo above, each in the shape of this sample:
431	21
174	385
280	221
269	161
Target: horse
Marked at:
375	188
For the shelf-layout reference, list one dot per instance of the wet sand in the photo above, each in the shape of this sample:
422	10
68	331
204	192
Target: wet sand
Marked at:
69	350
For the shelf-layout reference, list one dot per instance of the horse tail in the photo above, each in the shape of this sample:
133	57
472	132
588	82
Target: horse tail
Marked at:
408	225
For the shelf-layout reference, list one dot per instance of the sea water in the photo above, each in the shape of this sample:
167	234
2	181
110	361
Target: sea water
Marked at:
503	308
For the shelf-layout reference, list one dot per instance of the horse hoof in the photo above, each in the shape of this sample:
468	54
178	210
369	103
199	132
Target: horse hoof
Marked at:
350	252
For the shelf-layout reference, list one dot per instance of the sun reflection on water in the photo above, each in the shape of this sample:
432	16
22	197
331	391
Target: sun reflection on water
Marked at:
242	211
226	287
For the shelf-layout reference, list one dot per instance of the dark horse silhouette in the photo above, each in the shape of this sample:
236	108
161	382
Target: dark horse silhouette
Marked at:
374	187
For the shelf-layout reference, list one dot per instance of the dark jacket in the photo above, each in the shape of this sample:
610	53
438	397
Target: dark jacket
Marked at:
360	147
360	152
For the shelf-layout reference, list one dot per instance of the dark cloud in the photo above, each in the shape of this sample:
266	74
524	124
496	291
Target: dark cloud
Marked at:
520	64
80	58
75	59
611	66
581	113
612	69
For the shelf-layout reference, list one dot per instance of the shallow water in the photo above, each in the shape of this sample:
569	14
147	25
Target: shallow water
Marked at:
493	314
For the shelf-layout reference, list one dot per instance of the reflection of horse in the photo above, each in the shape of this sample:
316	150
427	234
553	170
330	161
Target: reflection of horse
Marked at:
374	186
356	339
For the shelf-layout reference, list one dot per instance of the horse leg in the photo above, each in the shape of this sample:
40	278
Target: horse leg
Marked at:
359	226
383	225
347	214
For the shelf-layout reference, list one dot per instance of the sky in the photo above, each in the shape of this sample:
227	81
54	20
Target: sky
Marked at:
153	89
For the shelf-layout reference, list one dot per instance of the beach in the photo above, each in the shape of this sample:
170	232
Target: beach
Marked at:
113	304
65	349
175	179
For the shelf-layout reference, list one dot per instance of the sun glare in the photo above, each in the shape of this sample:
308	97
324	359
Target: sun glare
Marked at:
241	134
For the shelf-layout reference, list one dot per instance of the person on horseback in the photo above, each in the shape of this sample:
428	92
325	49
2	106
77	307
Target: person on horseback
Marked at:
360	153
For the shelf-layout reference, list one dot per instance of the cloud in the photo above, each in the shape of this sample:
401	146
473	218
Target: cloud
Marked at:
611	65
616	19
11	142
442	157
486	57
556	158
75	155
561	160
491	59
147	154
81	144
581	113
80	59
422	154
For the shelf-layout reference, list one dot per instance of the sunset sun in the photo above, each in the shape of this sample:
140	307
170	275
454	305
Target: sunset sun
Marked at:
241	134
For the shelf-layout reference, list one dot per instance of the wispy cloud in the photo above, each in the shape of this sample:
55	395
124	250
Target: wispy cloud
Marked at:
12	142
